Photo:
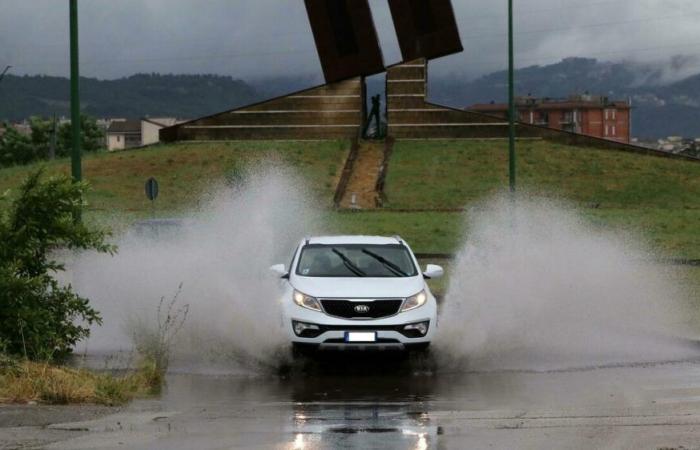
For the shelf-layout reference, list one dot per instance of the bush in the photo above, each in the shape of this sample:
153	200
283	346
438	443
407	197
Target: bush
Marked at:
16	148
40	318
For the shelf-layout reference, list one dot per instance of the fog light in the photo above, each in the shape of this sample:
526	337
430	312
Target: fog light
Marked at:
305	329
420	328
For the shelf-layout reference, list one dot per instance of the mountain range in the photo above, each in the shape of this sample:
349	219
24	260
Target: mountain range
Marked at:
663	105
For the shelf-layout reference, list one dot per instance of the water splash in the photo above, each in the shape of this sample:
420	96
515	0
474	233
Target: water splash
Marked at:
536	287
220	255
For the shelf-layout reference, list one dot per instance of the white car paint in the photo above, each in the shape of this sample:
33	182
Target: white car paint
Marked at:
364	290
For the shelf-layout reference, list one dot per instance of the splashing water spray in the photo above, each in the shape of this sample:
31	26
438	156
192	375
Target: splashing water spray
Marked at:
535	287
220	256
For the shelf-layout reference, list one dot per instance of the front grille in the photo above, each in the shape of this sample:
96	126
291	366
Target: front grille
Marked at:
349	310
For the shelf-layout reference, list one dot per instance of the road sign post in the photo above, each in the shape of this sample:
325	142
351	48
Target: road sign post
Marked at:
152	193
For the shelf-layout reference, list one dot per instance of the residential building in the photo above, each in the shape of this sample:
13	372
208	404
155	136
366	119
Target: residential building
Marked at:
591	115
123	133
130	133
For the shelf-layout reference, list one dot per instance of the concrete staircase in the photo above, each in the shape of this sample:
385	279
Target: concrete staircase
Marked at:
331	111
361	191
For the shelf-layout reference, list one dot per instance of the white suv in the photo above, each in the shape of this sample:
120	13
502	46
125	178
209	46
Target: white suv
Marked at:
357	292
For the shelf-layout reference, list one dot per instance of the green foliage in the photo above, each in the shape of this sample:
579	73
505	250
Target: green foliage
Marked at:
39	317
92	137
16	148
42	131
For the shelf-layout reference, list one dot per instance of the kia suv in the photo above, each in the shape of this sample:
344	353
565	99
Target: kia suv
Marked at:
359	293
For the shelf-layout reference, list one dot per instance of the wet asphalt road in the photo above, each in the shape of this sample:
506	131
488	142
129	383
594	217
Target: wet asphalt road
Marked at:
366	404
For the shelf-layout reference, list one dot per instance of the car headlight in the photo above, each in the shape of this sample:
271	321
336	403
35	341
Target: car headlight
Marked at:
306	301
415	301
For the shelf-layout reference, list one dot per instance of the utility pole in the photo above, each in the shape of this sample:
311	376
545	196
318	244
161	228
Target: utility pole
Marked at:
511	98
76	166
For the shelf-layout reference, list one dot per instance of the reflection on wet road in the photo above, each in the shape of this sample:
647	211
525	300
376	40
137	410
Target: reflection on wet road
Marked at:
364	404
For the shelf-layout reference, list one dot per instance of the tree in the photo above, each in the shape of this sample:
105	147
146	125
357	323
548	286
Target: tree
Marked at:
92	134
16	148
39	317
41	135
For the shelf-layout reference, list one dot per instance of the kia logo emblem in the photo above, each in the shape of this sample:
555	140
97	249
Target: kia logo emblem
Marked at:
362	309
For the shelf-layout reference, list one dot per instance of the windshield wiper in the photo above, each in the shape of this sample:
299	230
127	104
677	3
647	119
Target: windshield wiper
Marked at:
386	263
349	264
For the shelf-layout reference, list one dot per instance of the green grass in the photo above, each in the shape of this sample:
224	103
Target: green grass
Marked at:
656	197
425	232
451	174
186	171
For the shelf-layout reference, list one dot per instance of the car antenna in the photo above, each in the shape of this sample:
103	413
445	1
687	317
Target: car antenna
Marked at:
307	239
398	238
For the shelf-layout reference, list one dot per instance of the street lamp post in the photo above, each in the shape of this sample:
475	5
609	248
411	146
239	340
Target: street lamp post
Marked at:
511	99
76	166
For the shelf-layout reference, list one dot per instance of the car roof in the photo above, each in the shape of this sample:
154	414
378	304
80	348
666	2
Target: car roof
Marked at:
356	239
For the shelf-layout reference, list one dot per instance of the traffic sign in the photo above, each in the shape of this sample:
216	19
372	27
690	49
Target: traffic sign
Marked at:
152	189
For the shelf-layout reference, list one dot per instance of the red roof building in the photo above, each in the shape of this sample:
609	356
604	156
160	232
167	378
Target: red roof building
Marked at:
584	114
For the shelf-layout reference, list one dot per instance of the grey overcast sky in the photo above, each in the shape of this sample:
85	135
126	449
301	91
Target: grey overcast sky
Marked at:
268	38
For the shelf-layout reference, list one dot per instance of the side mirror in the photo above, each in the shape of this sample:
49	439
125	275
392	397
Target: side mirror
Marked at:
279	269
433	271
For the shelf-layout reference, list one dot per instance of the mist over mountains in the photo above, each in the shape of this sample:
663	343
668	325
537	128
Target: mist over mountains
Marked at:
664	103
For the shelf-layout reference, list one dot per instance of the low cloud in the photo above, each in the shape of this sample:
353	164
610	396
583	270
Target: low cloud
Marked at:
263	38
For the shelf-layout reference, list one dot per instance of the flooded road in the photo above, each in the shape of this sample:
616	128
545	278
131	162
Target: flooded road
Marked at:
364	404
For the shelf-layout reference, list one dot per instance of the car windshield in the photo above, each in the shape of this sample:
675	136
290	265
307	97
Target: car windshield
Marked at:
356	260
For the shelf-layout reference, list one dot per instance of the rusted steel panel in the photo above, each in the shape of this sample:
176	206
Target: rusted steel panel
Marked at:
346	38
425	28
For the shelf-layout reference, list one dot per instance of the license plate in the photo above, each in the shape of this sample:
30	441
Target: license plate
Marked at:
354	336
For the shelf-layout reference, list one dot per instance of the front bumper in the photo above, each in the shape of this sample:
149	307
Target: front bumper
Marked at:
388	336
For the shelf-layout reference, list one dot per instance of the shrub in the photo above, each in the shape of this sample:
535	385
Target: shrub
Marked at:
16	148
154	344
40	318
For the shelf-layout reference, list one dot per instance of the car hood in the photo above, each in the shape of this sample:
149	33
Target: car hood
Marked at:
359	287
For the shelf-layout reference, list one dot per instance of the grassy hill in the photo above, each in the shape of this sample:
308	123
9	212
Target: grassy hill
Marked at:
657	196
187	171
